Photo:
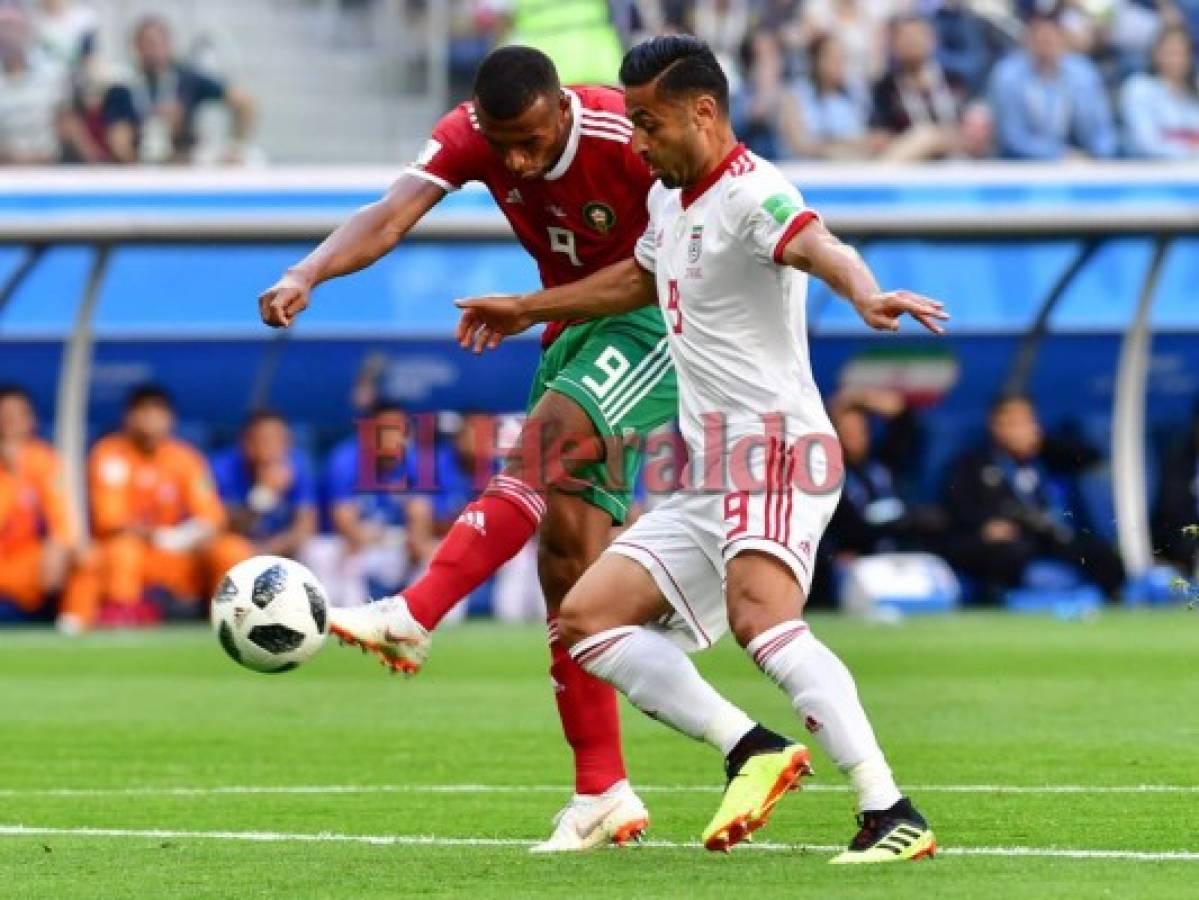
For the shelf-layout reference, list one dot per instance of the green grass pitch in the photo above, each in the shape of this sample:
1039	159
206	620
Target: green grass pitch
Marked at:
149	765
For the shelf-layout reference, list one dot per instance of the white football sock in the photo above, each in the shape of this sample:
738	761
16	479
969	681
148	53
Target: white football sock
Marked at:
661	681
823	694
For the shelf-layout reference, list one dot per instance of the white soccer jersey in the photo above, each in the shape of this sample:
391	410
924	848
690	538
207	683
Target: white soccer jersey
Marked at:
736	326
735	317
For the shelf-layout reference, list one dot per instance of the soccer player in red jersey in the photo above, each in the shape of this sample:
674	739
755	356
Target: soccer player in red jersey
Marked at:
559	163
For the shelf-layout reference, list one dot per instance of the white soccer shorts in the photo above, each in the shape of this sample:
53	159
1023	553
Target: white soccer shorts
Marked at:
685	544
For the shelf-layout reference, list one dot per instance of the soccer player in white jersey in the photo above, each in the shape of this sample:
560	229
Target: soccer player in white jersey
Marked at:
726	255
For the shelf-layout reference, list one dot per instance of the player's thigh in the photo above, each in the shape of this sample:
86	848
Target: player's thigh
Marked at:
770	542
181	574
21	576
614	592
557	439
674	545
622	374
573	534
618	371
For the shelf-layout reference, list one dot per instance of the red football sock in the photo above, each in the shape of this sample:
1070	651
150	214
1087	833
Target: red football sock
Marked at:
489	532
590	719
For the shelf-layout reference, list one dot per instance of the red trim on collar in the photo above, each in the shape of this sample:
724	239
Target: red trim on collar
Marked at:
738	160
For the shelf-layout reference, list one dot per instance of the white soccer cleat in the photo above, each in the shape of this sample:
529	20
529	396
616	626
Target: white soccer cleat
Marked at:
617	816
386	629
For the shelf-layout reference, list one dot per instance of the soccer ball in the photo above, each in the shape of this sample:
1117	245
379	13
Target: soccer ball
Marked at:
270	614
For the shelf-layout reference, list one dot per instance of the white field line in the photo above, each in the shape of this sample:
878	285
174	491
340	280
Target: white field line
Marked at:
318	789
433	841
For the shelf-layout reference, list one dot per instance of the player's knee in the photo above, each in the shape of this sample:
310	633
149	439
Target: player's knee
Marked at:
761	592
559	565
124	551
575	623
754	609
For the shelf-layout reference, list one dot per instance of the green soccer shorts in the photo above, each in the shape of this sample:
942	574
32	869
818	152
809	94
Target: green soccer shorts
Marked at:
619	370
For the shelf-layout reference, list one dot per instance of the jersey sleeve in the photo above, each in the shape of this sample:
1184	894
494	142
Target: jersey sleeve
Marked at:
765	211
303	486
61	521
225	474
341	476
108	489
452	155
203	501
645	251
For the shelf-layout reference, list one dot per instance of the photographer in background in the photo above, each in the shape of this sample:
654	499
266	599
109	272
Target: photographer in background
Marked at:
41	551
164	98
267	488
1176	512
159	524
382	530
33	93
875	515
1009	505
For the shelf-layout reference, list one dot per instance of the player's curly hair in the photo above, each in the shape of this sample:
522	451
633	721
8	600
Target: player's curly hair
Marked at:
509	79
684	65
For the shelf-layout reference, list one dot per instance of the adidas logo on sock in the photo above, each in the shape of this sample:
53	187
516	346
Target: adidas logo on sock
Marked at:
475	519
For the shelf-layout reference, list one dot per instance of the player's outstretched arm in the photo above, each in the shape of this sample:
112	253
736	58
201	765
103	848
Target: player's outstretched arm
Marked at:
619	288
365	237
819	252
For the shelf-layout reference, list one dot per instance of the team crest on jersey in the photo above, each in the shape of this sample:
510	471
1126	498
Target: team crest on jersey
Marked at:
599	216
696	245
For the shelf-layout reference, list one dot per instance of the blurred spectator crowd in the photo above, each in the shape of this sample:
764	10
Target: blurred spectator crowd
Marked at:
165	520
901	80
64	98
907	80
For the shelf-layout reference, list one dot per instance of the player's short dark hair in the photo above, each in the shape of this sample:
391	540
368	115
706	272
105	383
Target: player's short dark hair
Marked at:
15	392
148	21
684	66
1007	398
510	79
259	416
385	405
908	18
1044	17
147	395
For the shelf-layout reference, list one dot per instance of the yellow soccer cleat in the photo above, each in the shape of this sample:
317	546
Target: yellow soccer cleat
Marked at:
753	791
890	835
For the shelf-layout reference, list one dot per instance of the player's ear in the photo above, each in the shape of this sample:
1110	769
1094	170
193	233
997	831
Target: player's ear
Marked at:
705	110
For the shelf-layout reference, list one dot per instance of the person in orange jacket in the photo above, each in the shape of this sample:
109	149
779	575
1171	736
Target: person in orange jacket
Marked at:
41	551
156	516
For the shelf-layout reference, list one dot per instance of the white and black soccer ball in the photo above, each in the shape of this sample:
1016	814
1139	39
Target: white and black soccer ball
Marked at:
270	614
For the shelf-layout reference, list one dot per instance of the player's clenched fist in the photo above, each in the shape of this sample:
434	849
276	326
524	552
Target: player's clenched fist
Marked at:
486	321
282	302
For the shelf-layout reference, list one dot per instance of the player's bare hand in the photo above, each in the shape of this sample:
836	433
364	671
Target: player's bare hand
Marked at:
486	321
882	312
284	300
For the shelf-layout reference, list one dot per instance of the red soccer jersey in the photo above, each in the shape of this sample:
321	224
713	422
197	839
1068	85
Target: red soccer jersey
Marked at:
584	214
